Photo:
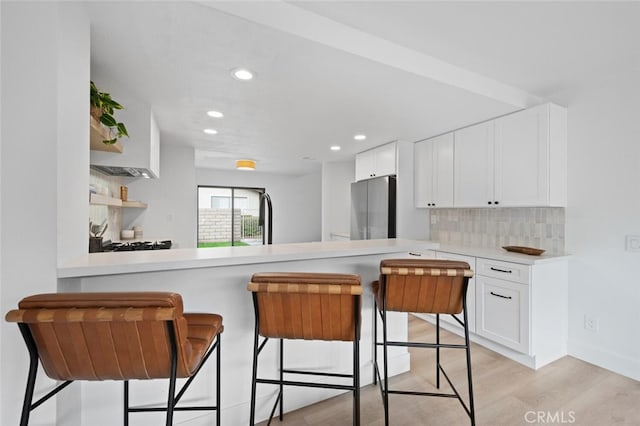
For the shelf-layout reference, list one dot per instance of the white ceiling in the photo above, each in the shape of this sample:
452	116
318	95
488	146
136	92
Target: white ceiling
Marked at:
328	70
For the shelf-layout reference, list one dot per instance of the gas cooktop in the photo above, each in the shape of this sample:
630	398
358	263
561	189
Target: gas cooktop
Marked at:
137	245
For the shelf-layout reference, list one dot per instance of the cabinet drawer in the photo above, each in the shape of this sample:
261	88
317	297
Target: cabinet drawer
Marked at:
504	270
503	312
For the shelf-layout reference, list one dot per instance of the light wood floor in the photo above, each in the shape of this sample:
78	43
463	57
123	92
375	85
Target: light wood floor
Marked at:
568	391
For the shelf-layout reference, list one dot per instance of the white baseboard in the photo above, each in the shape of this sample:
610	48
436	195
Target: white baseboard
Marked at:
609	360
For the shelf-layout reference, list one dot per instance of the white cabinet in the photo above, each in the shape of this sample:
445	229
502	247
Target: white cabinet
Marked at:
473	159
521	309
530	157
471	291
380	161
433	169
503	303
515	160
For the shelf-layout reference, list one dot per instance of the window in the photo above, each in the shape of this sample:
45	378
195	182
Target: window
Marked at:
229	216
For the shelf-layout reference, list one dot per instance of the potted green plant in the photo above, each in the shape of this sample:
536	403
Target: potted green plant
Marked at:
102	109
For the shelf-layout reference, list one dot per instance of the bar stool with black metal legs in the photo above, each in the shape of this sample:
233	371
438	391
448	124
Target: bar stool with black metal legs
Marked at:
309	306
117	336
422	286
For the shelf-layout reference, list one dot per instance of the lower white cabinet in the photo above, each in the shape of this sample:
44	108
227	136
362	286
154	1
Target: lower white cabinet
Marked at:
471	291
519	310
503	312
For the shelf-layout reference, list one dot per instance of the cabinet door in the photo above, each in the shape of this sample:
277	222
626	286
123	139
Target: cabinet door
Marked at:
473	168
471	291
522	158
385	160
503	312
443	171
365	164
423	172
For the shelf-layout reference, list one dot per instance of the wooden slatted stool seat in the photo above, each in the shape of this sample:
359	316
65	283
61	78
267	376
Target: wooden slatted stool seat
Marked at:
422	286
308	306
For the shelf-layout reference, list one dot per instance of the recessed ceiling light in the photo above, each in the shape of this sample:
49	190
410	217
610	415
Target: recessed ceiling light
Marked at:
215	114
242	74
210	131
335	148
360	137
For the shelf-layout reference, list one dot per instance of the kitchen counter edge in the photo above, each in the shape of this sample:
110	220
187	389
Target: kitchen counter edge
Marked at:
101	264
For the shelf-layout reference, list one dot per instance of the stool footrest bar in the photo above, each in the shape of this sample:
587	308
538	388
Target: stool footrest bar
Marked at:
318	373
444	395
305	384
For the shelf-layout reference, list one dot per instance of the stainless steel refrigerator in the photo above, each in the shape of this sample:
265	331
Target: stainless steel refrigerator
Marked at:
373	208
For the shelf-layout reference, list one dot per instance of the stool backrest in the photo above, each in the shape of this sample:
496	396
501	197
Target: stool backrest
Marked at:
310	306
423	285
106	336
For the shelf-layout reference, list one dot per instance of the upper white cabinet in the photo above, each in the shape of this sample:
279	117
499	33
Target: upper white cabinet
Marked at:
473	165
516	160
380	161
433	172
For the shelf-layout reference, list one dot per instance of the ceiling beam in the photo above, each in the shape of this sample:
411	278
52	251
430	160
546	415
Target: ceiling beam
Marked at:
296	21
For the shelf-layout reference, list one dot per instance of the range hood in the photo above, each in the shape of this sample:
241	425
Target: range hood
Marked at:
140	156
124	171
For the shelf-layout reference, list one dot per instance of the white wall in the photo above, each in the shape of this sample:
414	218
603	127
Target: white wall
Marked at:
45	63
172	199
604	205
336	197
296	200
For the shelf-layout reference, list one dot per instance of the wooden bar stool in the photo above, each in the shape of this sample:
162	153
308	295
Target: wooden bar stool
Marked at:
309	306
422	286
117	336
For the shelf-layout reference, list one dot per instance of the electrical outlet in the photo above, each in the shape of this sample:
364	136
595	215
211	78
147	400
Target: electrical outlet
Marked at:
434	219
590	323
633	243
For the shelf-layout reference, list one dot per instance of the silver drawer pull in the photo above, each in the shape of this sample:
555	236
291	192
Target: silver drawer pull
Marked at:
501	270
499	295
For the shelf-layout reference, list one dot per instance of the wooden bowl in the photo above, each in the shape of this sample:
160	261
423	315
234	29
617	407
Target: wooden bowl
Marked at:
524	250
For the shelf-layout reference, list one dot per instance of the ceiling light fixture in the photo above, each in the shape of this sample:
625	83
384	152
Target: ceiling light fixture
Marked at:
210	131
215	114
335	148
360	137
245	164
242	74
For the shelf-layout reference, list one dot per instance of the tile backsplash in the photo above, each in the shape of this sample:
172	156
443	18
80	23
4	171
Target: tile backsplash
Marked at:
539	227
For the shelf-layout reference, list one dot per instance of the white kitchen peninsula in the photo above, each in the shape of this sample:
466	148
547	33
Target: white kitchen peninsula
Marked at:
215	280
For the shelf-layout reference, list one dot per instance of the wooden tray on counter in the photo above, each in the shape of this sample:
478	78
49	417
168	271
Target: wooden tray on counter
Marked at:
524	250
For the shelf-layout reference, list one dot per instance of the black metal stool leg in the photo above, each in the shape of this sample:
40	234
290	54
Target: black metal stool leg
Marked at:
33	370
375	340
472	414
252	416
437	351
281	396
356	371
385	388
174	372
218	381
126	403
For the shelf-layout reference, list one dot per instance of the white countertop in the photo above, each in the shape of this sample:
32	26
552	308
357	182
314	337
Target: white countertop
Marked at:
501	254
111	263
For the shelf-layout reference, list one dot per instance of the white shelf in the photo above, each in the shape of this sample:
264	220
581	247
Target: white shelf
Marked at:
103	200
98	134
134	204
